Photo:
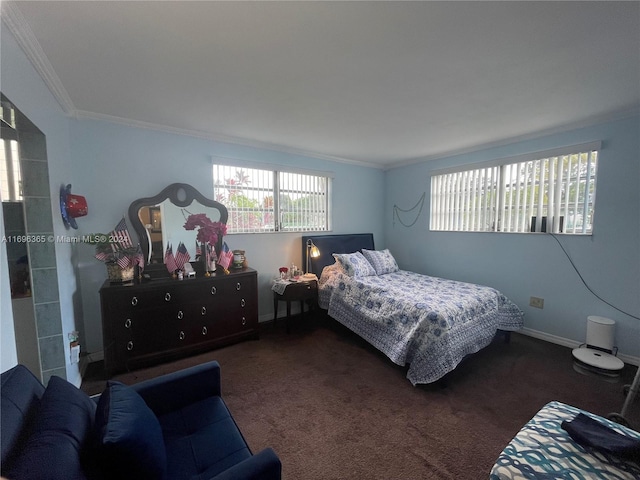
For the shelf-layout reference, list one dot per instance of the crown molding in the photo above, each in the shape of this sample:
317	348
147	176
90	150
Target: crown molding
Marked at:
245	142
588	122
17	24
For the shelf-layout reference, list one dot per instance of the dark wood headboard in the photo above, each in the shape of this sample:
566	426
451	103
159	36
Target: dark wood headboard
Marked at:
330	244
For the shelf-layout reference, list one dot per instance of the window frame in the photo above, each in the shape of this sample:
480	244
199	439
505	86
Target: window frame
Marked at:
497	209
276	192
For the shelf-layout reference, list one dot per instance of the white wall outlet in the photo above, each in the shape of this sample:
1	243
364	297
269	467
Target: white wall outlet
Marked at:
536	302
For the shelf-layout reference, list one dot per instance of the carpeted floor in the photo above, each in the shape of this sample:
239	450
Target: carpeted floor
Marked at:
333	407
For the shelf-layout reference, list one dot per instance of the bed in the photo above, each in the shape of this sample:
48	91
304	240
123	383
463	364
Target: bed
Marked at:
428	324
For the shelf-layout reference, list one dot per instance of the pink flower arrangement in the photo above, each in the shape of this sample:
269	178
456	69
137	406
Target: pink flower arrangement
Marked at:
209	231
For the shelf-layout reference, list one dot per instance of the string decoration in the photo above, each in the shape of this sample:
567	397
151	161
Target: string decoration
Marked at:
397	209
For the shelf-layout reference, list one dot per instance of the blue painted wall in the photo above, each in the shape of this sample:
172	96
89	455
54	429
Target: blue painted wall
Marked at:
21	83
115	164
525	265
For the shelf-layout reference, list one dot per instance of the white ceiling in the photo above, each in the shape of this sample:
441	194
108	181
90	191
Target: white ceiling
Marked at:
376	82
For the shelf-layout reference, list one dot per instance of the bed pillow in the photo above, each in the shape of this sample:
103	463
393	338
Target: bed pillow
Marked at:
382	261
129	435
354	264
61	429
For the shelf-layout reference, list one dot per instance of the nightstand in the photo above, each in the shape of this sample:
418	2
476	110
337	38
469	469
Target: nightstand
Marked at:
298	291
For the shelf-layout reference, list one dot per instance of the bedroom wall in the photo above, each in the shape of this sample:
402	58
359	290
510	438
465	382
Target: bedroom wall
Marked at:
525	265
115	164
21	83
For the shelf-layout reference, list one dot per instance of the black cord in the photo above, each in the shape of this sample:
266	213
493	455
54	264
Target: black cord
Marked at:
585	283
396	209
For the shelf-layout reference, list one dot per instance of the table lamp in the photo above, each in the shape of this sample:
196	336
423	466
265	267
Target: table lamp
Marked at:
312	252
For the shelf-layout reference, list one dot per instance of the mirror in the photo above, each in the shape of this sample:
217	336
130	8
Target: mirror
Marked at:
160	220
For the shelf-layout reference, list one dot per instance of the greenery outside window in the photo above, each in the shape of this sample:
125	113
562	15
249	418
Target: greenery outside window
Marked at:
552	191
264	200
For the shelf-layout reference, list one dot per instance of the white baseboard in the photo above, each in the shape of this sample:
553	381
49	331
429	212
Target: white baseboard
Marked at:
566	342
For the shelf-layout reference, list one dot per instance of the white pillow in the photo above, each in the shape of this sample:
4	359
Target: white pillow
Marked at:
354	264
382	261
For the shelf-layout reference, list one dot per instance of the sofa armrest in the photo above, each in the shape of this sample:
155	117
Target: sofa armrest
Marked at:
176	390
264	465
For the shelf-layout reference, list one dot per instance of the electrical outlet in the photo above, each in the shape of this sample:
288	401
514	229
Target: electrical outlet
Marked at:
536	302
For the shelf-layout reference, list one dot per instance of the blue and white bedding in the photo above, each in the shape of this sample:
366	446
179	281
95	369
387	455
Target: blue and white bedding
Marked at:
543	449
425	322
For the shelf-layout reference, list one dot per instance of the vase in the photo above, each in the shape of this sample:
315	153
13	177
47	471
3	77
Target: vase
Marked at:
117	274
209	258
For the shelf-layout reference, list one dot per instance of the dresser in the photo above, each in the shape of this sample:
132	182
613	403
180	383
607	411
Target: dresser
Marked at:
162	319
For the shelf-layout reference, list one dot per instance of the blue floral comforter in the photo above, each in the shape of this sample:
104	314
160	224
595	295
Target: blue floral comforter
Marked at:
425	322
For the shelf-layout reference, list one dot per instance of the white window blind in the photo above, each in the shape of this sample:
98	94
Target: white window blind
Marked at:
554	192
260	200
10	179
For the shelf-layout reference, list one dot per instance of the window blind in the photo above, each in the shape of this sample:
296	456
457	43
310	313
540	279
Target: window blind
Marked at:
260	200
10	177
555	193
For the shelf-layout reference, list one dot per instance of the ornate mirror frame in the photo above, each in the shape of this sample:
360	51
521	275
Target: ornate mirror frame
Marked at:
180	194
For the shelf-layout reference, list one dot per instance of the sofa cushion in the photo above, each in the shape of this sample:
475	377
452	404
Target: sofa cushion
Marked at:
61	428
202	440
21	392
129	437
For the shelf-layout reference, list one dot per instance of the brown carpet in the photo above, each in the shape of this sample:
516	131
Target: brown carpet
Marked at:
333	407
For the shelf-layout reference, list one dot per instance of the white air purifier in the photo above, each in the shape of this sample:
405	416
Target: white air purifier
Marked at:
596	355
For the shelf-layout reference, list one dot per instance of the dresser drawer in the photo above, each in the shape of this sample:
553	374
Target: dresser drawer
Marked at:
183	293
149	322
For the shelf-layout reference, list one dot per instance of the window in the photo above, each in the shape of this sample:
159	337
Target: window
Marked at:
10	180
550	191
261	200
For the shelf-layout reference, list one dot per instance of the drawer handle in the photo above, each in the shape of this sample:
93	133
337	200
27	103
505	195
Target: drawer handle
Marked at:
181	335
242	303
167	297
180	314
238	286
204	330
204	310
214	290
134	301
130	346
127	323
244	320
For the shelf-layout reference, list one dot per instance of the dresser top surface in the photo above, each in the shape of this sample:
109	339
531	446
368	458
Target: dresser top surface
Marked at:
165	281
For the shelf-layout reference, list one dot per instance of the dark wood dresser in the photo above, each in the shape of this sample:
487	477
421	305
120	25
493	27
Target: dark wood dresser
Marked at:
161	319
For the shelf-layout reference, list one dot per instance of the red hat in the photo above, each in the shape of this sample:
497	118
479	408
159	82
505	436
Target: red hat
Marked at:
71	206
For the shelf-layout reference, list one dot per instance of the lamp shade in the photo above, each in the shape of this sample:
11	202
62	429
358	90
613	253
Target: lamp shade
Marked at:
312	252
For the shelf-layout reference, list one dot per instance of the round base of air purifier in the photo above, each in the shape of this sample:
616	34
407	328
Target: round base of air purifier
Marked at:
590	360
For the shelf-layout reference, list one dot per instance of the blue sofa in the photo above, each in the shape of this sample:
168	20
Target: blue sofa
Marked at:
172	427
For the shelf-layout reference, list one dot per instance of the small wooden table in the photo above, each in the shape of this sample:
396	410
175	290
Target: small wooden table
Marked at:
298	291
